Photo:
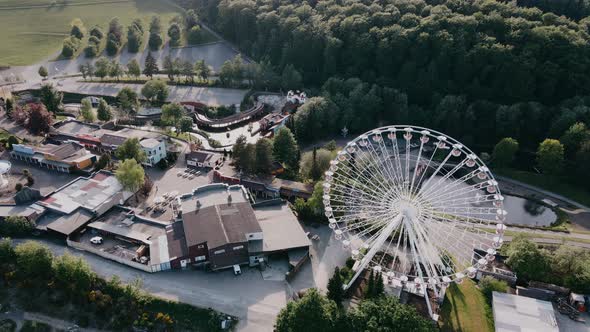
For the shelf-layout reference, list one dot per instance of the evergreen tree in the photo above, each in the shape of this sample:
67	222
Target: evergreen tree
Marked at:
315	172
9	108
335	287
379	286
151	67
370	285
285	147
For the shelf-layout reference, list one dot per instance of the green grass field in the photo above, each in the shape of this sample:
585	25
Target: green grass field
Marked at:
33	30
556	184
465	309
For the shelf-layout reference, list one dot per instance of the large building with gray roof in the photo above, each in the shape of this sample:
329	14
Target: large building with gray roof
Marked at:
220	227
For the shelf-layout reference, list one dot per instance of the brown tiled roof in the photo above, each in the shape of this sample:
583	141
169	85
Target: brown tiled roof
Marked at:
220	224
199	156
66	150
110	139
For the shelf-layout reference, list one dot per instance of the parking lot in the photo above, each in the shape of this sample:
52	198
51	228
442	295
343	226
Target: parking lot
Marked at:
45	180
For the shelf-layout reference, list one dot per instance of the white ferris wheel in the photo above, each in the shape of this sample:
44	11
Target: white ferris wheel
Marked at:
415	205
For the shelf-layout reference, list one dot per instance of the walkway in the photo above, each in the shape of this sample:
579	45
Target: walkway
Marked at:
543	191
60	325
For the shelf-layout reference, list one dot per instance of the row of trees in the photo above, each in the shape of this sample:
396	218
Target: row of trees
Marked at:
174	67
315	312
258	158
570	153
103	111
567	266
135	36
76	293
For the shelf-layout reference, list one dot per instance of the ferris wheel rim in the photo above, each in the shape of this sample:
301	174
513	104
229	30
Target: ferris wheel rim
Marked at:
441	137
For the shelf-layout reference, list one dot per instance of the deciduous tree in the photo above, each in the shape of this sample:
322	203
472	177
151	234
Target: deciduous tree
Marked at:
86	111
504	152
39	119
550	156
264	156
133	68
43	72
172	113
155	90
130	174
127	99
103	111
131	149
313	312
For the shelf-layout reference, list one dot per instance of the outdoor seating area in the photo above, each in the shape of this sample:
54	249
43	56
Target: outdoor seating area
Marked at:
162	204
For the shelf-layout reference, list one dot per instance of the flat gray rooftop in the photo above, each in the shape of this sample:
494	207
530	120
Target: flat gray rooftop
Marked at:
513	313
281	228
89	193
211	195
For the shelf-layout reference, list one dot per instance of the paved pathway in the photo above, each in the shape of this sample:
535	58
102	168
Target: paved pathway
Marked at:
543	191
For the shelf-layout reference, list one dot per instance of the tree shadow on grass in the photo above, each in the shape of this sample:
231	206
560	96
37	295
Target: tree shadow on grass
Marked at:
450	313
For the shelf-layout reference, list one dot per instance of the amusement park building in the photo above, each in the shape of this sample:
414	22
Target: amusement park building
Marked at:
67	157
220	227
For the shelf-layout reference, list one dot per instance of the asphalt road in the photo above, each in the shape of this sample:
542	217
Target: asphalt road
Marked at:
255	301
210	96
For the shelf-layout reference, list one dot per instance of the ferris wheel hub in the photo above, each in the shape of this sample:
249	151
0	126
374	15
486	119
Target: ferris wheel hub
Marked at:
408	208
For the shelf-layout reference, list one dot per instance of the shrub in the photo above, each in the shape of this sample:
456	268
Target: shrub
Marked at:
163	164
18	187
16	226
11	140
489	284
194	35
30	181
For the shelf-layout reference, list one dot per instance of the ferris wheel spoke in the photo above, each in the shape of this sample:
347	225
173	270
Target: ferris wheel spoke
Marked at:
422	141
352	172
427	249
466	191
436	172
467	201
437	189
391	176
443	178
393	138
359	187
389	167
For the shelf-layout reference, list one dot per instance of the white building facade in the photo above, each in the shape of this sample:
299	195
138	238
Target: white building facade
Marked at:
154	149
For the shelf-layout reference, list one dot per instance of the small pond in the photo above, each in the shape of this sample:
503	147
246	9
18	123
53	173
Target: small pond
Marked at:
522	211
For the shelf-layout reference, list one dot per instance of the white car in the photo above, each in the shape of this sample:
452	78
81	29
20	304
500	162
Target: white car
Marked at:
96	240
237	270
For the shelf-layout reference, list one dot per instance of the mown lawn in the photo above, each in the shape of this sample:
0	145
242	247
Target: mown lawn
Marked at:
32	30
556	184
465	309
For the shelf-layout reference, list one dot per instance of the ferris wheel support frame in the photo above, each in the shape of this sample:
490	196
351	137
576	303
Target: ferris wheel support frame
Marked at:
375	248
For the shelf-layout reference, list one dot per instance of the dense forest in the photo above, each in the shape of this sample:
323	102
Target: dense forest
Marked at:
479	70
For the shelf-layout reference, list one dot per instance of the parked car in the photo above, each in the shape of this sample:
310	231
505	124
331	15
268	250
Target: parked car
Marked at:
237	270
96	240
